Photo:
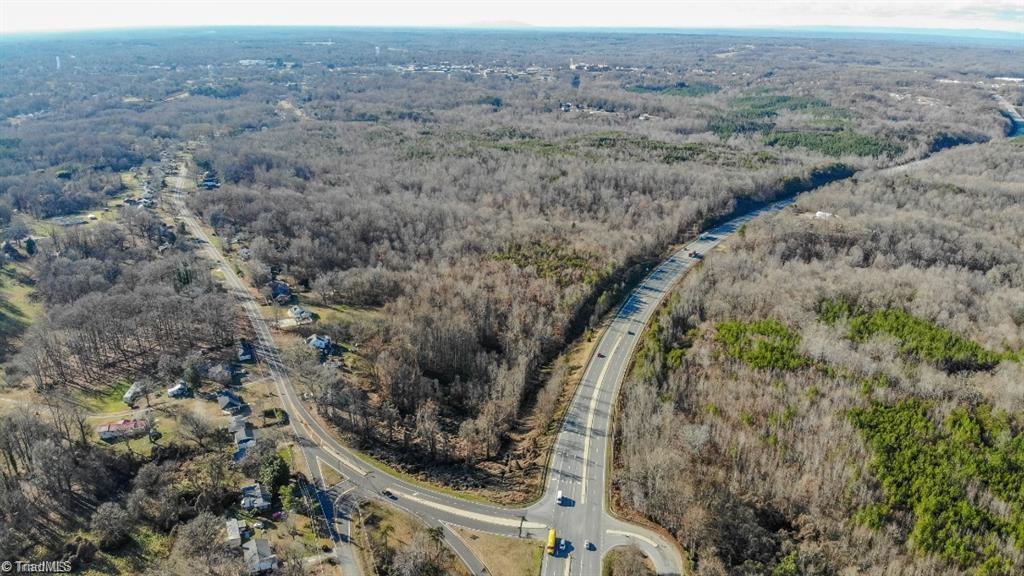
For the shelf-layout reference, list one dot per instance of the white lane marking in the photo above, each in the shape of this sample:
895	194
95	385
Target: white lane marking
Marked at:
320	470
568	566
265	337
590	418
632	535
496	520
317	435
465	545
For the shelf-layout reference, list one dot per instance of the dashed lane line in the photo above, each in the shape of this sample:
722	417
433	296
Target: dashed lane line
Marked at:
590	417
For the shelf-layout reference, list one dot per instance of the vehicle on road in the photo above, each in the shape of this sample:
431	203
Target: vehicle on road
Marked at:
695	255
389	494
600	354
558	499
588	545
552	540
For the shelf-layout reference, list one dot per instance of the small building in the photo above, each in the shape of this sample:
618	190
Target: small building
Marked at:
258	556
122	429
320	342
10	251
254	498
236	423
280	292
236	530
243	435
179	390
133	393
300	314
229	403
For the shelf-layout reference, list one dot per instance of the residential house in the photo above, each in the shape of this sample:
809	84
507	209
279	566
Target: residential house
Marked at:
210	180
280	292
259	558
113	431
300	314
254	498
243	434
237	422
236	530
320	342
246	353
229	403
133	393
179	390
11	252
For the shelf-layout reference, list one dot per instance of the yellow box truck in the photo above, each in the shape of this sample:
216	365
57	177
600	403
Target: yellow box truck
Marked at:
552	541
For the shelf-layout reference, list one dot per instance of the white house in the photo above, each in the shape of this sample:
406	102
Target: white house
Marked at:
134	391
235	529
258	556
320	342
179	390
300	314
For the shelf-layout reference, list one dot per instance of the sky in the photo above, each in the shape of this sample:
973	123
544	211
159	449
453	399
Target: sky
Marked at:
50	15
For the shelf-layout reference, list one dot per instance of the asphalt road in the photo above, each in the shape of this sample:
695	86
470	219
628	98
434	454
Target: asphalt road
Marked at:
578	469
362	481
1013	114
579	466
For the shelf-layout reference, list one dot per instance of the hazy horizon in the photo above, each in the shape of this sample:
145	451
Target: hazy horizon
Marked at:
951	16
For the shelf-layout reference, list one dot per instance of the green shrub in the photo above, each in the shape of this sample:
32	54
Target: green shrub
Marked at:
771	104
753	113
927	470
837	143
787	566
918	338
689	89
766	344
563	264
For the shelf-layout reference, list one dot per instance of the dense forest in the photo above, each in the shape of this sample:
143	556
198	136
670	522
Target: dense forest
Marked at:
517	201
844	392
458	210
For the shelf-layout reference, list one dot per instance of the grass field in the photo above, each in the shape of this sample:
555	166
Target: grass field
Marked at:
145	548
504	556
401	529
18	309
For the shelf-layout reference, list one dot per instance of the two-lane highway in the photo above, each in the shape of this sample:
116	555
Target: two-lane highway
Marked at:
579	466
321	448
579	469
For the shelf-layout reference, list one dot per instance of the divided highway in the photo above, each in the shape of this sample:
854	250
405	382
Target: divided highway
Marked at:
579	467
579	470
575	500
